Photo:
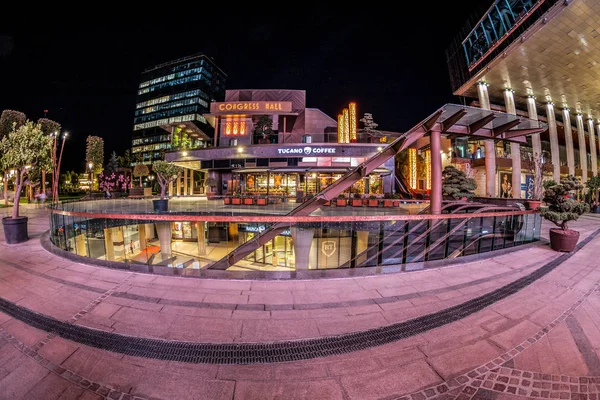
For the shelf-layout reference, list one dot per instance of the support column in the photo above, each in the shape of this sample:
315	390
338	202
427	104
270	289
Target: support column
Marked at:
536	142
185	181
201	238
164	237
593	154
108	244
515	148
302	239
43	190
80	245
191	188
178	185
569	141
436	173
149	230
582	149
362	243
171	188
554	150
142	236
490	147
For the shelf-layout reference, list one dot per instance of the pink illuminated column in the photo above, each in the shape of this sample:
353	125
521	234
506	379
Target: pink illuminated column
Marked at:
515	148
436	173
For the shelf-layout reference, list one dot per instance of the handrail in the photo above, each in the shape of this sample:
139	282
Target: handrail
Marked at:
280	218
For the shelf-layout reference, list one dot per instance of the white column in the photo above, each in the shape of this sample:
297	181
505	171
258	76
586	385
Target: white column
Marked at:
582	149
490	148
515	149
164	237
178	186
594	157
536	142
142	236
302	239
569	141
201	228
191	188
554	150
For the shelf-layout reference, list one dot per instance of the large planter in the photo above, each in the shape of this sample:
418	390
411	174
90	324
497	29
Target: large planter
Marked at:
236	201
161	205
15	230
261	201
373	203
226	200
341	202
248	201
357	203
596	209
388	203
533	204
563	240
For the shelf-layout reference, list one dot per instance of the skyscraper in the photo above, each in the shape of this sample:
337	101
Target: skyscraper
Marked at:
171	100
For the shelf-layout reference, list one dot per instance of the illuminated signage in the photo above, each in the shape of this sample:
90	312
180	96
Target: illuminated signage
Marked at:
307	150
328	248
250	106
261	229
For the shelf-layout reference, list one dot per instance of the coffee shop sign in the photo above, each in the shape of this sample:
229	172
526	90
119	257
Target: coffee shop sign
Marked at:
307	150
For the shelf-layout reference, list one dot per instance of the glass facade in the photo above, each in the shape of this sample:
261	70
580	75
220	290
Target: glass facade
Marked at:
177	92
195	244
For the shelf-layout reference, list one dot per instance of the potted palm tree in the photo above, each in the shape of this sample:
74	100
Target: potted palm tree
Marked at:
165	173
562	208
26	150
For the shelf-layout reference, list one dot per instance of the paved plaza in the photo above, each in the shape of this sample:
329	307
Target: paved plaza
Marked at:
521	324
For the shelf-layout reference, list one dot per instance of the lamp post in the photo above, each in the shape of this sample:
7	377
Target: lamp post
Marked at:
57	168
91	165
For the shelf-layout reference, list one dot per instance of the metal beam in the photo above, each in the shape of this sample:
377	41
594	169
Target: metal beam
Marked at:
521	132
505	127
451	120
480	123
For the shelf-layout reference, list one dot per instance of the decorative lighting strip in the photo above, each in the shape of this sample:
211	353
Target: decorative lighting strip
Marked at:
428	168
340	128
346	127
352	112
412	168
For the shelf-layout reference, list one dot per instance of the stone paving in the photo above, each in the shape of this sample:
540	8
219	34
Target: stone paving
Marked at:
541	342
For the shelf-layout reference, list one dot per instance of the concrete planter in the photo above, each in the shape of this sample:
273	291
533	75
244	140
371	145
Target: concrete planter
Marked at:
161	205
15	230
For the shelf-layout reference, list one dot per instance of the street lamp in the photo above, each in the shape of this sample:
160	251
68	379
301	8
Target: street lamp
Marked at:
57	168
91	165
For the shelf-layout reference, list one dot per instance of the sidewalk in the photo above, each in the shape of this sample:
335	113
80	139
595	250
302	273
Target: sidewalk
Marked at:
539	342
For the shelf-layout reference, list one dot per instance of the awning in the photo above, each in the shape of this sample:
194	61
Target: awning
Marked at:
250	170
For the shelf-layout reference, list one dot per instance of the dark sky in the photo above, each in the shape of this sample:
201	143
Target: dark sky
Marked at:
85	70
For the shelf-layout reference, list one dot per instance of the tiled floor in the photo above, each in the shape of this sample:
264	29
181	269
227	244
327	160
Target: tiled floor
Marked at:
541	342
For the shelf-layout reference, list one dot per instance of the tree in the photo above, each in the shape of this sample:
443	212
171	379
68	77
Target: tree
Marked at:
593	184
94	153
165	174
26	149
8	119
113	163
125	160
49	126
369	125
562	208
456	184
139	171
533	164
263	127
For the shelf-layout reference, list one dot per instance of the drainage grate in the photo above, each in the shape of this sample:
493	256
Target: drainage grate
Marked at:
252	353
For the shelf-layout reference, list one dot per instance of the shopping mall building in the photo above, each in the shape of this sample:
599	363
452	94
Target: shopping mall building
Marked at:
267	143
536	59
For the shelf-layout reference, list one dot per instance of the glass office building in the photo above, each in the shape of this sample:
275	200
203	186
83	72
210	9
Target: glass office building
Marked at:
170	102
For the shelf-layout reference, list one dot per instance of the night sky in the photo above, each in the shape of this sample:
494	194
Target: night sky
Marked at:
85	71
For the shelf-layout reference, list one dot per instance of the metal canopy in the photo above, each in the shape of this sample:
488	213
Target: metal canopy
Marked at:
457	120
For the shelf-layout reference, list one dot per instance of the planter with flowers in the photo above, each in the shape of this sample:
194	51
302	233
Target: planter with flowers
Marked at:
341	201
373	201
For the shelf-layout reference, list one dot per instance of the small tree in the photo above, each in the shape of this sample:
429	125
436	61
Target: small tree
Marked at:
561	207
49	126
211	183
8	119
263	126
165	173
94	153
113	163
26	149
593	184
455	183
125	159
139	171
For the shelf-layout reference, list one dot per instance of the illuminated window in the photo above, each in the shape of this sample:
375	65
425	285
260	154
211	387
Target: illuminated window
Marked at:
228	126
428	169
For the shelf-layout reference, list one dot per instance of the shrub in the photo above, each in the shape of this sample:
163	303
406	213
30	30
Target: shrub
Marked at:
561	207
456	184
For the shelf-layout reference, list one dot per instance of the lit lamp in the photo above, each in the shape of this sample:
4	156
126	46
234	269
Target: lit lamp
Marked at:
91	165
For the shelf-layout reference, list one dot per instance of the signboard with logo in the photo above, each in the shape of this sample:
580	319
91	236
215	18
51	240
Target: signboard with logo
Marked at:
250	107
306	150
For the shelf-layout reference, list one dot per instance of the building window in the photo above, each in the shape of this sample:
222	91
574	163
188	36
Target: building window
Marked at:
306	139
233	142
